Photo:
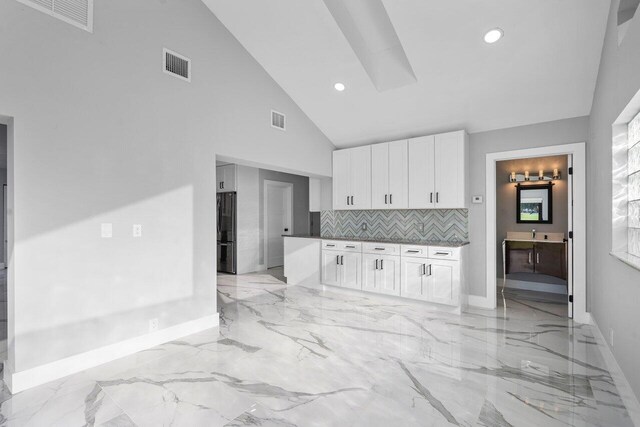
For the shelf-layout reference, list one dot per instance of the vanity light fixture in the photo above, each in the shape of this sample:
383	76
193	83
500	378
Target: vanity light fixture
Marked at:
526	175
556	174
540	175
512	177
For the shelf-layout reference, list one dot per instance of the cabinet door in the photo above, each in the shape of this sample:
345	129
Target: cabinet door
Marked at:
398	175
550	259
341	179
226	178
389	275
351	268
219	178
380	176
443	281
520	257
421	172
360	178
369	272
330	268
449	170
412	278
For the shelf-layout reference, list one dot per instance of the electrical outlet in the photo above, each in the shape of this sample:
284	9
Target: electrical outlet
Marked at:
611	337
421	227
364	226
153	325
106	230
137	230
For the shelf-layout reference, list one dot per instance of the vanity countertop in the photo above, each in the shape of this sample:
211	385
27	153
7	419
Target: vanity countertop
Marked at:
534	240
448	244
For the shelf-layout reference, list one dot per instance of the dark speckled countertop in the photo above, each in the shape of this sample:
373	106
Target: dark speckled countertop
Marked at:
397	242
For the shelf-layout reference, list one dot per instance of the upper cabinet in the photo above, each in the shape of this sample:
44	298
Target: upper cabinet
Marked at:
427	172
352	178
437	171
226	178
389	175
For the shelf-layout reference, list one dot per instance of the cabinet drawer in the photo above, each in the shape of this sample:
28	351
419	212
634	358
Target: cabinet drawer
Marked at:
414	251
444	253
342	246
381	248
330	245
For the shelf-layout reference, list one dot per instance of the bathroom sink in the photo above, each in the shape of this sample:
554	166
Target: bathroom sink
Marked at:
540	236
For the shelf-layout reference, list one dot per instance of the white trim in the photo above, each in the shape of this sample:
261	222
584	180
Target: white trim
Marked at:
625	391
577	150
480	302
23	380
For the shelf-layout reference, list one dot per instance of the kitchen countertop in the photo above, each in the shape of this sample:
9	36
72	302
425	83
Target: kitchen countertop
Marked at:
397	242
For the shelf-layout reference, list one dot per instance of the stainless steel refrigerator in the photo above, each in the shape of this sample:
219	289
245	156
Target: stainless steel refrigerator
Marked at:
226	211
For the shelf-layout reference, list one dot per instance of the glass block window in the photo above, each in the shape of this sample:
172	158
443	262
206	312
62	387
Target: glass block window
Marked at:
633	186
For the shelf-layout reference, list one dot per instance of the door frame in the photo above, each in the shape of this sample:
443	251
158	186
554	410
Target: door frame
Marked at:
577	264
265	205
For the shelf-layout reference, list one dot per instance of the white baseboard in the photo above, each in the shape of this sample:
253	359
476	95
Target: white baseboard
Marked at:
480	302
535	286
23	380
627	395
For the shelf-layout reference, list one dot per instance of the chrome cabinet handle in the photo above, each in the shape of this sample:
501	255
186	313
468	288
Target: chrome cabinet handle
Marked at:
530	260
537	257
376	264
385	199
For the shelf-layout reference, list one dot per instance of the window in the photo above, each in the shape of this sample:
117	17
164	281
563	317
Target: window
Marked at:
626	185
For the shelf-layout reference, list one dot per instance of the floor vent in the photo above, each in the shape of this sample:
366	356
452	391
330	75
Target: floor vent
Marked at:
75	12
278	120
176	65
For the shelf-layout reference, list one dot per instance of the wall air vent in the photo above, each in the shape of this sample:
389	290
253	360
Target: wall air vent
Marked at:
278	120
176	65
75	12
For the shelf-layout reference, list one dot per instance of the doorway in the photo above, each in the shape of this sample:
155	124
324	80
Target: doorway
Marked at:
576	217
278	220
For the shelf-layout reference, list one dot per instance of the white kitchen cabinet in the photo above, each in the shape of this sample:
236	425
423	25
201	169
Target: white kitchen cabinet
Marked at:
342	266
352	178
413	278
331	268
226	178
381	274
351	266
389	175
437	171
422	172
443	282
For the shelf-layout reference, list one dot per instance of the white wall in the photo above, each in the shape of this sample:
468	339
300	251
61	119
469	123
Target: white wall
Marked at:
103	135
537	135
248	217
614	287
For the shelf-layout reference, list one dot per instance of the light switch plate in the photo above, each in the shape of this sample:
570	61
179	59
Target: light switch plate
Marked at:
137	230
106	230
477	199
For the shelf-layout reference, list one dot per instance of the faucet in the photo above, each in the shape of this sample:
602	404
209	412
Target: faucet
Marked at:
533	233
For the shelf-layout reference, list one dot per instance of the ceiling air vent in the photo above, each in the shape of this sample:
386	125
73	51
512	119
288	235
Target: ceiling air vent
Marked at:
176	65
75	12
278	120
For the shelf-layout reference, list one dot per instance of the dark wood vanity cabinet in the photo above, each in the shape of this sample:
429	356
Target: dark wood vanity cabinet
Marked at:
536	257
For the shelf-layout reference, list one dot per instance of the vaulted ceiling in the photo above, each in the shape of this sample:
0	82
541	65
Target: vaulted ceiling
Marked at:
544	68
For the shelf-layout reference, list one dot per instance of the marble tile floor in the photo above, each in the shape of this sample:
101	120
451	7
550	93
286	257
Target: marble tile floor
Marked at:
315	356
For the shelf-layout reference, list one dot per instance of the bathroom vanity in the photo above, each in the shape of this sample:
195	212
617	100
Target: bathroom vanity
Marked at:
540	253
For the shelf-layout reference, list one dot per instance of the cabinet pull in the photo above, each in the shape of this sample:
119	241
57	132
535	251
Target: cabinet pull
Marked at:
330	246
530	257
431	198
341	259
347	200
338	259
437	197
379	249
351	200
429	270
411	251
443	253
390	199
376	264
385	199
381	264
424	269
537	257
350	247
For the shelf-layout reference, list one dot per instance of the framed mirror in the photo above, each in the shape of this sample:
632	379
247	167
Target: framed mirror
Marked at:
534	204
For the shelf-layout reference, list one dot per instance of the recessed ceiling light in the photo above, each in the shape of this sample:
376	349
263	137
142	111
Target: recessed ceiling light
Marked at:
494	35
339	87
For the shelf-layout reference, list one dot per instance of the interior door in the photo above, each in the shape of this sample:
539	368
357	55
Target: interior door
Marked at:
351	270
443	282
360	177
421	172
569	246
278	220
389	275
412	278
341	188
370	266
330	268
448	170
398	175
380	176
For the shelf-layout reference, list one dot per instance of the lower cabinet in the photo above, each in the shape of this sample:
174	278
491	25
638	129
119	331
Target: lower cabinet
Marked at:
342	269
431	280
381	273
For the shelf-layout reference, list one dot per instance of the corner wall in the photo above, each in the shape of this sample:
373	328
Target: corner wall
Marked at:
102	135
614	287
